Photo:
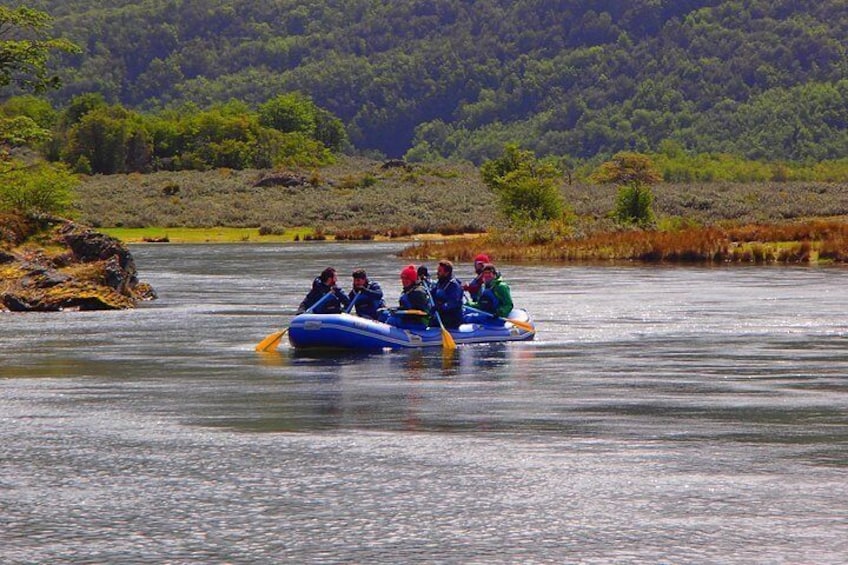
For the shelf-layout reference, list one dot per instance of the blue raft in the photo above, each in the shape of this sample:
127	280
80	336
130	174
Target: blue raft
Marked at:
346	331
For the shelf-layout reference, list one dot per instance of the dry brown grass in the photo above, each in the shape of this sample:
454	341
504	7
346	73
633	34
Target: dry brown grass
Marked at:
797	242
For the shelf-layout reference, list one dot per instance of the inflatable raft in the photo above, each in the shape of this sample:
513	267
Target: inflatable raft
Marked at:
346	331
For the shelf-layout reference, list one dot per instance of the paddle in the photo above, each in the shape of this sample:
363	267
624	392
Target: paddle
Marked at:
352	302
272	341
447	339
523	325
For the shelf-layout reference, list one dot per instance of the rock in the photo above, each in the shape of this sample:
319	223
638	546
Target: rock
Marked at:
92	271
282	179
395	164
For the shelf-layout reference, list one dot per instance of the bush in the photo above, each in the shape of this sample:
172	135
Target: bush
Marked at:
44	188
526	187
633	205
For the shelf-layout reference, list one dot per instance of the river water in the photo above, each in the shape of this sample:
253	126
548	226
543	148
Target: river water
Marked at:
662	415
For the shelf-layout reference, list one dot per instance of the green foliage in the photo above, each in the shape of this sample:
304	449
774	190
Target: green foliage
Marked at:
761	80
43	188
634	173
100	140
627	168
526	188
289	113
39	110
25	48
94	137
19	131
633	205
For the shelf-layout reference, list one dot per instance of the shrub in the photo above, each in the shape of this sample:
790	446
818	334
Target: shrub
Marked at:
526	187
43	188
633	205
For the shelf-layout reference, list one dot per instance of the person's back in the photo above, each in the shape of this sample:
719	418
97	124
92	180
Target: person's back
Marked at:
413	297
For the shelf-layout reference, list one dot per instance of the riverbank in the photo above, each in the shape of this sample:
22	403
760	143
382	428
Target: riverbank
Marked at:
814	241
360	199
365	197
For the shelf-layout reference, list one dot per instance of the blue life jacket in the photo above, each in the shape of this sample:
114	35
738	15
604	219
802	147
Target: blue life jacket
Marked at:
447	297
332	305
370	300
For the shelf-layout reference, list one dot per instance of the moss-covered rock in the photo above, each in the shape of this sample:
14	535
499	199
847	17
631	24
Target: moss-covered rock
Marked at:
51	264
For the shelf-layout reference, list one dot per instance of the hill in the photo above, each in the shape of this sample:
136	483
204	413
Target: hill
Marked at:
763	79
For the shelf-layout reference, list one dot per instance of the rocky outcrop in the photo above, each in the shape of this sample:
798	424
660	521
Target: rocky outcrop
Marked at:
55	264
286	179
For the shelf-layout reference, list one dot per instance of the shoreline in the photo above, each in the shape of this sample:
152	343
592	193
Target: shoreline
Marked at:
163	236
809	242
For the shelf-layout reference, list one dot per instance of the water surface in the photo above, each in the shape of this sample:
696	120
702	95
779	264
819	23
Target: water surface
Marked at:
663	415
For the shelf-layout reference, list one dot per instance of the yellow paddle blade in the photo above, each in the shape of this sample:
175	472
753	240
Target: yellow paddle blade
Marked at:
523	325
272	341
447	339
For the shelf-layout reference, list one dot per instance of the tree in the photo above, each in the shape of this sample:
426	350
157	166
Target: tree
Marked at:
24	50
527	188
289	113
108	139
634	173
25	47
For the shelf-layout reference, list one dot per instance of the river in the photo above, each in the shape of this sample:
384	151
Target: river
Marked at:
662	415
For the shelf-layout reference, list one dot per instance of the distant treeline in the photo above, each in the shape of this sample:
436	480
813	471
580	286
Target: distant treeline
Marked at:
760	79
92	136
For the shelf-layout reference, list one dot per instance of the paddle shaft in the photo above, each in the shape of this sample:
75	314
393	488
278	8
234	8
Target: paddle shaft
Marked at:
447	339
352	302
272	341
518	323
320	301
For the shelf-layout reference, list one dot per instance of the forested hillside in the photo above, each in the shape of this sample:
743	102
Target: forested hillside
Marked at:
763	79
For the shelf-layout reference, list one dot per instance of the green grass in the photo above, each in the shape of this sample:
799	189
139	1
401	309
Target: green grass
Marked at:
203	235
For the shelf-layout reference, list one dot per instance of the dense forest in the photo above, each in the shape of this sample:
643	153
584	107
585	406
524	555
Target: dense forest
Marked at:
760	79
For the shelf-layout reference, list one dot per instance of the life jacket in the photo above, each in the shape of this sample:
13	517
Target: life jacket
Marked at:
494	304
447	297
369	301
333	305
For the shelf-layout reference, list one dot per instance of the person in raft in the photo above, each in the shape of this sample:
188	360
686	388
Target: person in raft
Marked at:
495	297
367	294
447	295
413	297
323	284
475	287
424	277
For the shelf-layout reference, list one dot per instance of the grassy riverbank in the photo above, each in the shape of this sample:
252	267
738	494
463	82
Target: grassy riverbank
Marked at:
204	235
801	242
363	199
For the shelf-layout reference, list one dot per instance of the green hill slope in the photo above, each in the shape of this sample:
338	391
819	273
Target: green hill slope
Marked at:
457	78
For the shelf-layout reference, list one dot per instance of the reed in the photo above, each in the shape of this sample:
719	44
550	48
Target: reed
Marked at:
797	242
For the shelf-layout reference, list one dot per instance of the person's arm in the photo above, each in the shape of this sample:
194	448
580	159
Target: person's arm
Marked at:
452	297
342	297
373	291
504	296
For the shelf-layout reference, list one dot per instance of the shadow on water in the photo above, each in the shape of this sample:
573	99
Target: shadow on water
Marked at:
421	390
